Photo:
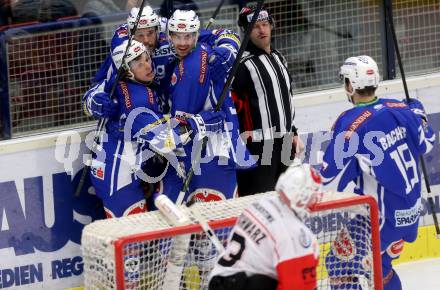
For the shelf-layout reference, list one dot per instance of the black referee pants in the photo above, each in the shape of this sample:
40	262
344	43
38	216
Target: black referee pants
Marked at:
270	165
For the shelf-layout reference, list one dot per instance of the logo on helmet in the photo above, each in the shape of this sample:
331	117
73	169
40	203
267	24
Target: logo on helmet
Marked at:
181	25
370	72
264	15
143	21
363	59
137	49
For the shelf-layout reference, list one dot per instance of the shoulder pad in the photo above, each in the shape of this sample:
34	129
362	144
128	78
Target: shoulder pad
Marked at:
122	31
395	104
337	120
203	47
358	121
205	32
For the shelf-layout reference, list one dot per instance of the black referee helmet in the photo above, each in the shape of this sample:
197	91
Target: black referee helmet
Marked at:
246	13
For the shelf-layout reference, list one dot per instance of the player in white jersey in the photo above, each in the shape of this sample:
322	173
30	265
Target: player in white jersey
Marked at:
270	246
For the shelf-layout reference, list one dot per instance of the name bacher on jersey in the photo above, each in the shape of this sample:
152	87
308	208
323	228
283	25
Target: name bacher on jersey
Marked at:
392	137
377	142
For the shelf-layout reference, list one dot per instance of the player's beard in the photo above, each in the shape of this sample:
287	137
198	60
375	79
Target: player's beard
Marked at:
150	48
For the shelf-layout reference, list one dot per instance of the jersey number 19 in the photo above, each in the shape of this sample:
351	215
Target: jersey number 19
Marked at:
406	163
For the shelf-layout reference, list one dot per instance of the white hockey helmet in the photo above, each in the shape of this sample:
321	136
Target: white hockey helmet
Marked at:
184	21
136	49
300	188
361	71
148	19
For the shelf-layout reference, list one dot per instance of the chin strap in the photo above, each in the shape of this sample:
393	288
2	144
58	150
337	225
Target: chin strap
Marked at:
350	95
128	73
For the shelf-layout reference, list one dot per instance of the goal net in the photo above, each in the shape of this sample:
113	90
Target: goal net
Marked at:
145	251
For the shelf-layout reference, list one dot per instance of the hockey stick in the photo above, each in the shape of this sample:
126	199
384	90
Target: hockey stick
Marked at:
207	228
222	96
103	121
178	217
180	245
405	87
217	10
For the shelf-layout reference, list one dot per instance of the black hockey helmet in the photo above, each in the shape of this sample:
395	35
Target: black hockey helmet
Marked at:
246	13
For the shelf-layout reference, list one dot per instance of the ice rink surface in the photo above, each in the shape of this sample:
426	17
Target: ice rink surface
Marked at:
420	275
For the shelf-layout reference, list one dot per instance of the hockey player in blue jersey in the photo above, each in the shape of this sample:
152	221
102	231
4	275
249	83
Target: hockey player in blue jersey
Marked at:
197	79
376	145
97	102
139	127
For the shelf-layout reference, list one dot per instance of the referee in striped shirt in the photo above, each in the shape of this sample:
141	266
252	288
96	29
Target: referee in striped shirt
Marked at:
263	98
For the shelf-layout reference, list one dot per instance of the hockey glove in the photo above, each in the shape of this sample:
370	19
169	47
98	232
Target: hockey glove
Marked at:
205	122
227	37
417	107
100	105
220	63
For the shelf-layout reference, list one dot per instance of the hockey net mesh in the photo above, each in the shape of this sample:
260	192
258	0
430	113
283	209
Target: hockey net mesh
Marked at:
136	252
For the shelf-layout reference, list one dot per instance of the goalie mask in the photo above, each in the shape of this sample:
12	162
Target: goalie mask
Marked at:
300	188
148	19
361	71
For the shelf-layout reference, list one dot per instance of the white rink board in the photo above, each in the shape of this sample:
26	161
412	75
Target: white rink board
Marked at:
40	219
318	110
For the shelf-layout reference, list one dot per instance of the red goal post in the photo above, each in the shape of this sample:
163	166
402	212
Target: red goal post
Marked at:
139	251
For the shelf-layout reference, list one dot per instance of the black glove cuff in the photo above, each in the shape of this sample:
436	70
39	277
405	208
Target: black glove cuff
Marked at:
294	130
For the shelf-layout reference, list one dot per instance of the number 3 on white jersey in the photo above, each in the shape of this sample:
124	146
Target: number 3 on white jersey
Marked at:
405	165
233	253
